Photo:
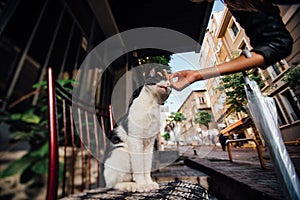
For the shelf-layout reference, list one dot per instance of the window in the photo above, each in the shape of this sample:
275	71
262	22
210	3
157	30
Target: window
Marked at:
233	30
201	100
290	105
281	119
243	46
277	68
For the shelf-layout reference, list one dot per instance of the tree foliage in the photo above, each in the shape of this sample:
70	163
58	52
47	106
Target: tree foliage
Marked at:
292	77
31	126
203	118
233	85
166	136
161	61
177	117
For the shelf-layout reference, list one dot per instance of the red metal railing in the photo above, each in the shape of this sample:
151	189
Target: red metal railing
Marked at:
85	139
53	140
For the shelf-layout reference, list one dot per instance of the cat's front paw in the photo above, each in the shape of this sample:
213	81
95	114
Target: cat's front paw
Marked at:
126	186
147	187
153	186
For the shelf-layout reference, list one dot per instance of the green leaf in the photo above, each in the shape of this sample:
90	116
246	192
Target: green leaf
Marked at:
19	135
41	151
44	122
16	116
40	84
177	116
44	108
44	149
17	166
40	167
64	82
31	118
203	118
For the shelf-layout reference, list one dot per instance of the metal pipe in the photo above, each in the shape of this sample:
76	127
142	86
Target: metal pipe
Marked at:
77	55
73	150
23	57
258	149
53	141
103	133
81	149
62	68
7	14
65	147
97	150
49	53
89	149
296	142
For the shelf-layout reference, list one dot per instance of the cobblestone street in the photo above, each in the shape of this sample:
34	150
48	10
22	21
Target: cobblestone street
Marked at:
243	178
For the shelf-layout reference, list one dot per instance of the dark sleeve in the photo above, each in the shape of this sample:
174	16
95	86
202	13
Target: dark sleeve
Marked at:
285	2
267	33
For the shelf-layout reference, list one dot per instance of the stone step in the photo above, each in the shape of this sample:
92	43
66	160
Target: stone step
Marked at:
179	171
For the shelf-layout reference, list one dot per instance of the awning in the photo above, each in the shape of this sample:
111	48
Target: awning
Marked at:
185	16
238	126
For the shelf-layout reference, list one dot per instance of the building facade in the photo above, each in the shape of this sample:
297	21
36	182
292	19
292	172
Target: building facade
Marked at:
225	42
190	132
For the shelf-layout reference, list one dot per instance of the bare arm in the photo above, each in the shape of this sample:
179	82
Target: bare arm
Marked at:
239	64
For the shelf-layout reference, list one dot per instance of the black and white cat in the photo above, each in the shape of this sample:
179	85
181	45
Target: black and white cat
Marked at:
128	164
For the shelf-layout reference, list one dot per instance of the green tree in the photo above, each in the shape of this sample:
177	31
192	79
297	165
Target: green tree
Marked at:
177	117
233	85
166	136
162	62
173	120
292	77
203	118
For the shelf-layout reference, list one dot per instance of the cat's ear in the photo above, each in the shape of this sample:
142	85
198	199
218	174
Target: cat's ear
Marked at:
152	72
160	74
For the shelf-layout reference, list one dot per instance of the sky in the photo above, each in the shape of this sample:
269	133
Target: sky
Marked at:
182	61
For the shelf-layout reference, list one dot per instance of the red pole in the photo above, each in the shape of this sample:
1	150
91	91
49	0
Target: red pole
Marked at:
53	144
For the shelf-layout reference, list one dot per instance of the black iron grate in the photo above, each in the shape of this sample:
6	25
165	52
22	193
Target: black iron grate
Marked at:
176	190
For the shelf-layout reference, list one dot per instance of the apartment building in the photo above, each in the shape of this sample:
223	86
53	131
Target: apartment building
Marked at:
224	39
190	132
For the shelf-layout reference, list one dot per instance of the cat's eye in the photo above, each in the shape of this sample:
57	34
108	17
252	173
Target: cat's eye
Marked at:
151	83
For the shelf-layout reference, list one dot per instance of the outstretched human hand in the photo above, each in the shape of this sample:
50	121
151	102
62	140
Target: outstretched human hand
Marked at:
182	79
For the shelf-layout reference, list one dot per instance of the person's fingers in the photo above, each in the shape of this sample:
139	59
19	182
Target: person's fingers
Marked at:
178	82
175	77
159	74
166	74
